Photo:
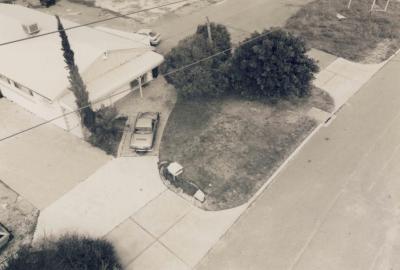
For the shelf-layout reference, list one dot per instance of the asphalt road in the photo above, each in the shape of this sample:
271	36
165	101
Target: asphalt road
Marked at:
242	17
337	203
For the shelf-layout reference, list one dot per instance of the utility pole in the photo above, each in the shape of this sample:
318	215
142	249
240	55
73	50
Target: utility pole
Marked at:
209	31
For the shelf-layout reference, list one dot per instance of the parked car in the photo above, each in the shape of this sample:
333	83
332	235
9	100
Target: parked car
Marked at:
5	236
144	131
155	38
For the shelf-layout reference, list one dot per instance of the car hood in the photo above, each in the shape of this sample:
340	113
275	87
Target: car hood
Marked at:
141	141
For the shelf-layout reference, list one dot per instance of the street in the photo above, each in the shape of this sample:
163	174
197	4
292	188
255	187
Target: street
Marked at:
337	203
240	16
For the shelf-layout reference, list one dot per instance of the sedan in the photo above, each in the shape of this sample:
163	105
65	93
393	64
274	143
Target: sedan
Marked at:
144	131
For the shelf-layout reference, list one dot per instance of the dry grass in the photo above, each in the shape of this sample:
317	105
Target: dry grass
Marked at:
19	216
230	147
362	36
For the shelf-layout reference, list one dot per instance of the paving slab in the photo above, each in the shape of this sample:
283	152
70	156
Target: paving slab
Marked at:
319	115
324	59
43	164
352	70
162	213
323	77
192	237
107	198
157	257
129	240
343	78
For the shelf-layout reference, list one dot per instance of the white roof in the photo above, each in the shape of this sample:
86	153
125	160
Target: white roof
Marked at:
113	78
38	63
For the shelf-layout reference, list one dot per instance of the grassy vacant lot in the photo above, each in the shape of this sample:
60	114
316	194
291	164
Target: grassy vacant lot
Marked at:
362	36
229	147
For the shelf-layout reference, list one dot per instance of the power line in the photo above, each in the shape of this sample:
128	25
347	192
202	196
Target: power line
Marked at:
126	90
93	22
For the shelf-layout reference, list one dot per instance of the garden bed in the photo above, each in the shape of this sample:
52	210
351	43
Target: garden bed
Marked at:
363	36
229	147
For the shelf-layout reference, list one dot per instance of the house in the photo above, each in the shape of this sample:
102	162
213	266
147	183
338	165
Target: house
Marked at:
33	73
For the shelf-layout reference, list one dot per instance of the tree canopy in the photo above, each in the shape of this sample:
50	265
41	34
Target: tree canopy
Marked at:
272	66
205	78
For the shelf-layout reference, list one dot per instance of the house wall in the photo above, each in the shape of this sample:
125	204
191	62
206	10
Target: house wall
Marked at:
47	110
32	101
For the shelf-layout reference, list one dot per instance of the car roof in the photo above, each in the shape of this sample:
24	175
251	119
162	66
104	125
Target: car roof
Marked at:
143	123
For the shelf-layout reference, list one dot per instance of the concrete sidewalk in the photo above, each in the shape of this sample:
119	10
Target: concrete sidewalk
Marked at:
126	202
343	78
104	200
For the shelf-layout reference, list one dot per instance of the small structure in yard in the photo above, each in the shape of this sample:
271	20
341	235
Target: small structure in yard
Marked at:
200	196
33	73
175	169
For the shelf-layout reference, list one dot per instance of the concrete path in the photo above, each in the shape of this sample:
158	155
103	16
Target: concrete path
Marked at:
337	203
343	78
126	202
43	164
104	200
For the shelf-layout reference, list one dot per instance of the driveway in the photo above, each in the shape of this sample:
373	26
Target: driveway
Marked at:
158	96
43	164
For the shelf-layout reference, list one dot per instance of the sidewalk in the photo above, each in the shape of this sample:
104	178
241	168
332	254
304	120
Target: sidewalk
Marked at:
342	79
126	202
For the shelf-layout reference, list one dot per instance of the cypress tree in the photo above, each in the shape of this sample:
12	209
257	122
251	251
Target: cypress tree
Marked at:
77	86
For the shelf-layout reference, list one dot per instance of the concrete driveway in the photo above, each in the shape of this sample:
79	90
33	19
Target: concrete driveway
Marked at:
43	164
158	96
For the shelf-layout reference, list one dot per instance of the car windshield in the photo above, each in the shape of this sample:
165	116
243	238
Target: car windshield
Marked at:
142	130
152	34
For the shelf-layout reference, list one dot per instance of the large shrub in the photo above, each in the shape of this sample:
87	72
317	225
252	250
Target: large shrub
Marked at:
70	252
206	78
107	129
273	66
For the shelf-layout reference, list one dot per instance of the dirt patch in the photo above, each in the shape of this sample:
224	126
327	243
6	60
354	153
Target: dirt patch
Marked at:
362	36
230	147
19	216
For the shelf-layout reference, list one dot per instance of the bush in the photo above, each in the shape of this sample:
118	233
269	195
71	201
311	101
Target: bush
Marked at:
70	252
107	129
274	66
206	78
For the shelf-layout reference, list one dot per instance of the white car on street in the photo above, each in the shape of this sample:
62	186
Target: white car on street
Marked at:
154	37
